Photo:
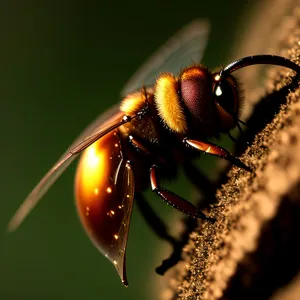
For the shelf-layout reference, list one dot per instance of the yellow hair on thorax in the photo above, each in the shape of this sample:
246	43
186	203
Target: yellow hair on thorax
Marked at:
133	103
168	103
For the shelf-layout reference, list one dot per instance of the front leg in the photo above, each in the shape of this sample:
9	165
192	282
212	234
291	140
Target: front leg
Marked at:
215	150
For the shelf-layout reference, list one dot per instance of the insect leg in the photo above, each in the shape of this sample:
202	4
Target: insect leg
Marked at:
175	200
215	150
232	138
153	220
160	229
207	188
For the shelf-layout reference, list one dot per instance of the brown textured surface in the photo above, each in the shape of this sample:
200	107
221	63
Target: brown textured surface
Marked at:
252	249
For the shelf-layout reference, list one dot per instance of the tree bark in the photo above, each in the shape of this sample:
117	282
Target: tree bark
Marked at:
252	250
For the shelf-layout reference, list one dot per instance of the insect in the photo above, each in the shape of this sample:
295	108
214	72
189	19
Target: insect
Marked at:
164	121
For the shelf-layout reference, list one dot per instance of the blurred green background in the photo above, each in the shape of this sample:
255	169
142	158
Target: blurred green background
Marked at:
61	64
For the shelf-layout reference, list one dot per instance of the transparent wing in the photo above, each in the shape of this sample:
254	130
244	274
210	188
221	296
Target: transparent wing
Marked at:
118	250
100	125
181	50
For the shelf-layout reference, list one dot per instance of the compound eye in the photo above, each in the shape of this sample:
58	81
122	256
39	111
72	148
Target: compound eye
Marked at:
226	100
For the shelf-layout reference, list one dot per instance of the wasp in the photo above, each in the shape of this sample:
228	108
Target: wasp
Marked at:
165	119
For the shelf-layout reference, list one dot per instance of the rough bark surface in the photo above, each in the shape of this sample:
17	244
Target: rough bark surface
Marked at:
252	251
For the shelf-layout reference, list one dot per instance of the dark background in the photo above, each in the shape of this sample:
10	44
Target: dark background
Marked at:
61	64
